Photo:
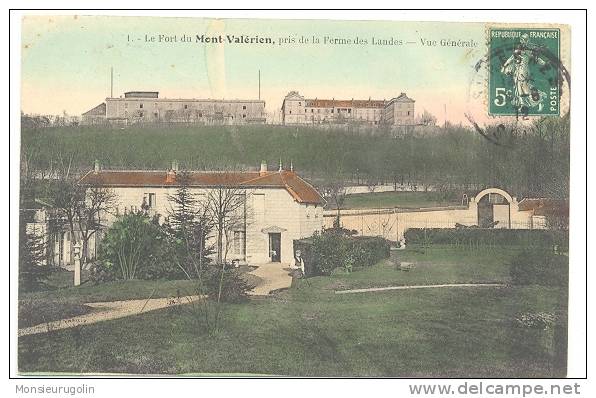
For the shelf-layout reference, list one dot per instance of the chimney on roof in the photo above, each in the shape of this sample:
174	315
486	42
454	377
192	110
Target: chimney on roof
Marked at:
263	169
291	165
281	167
96	167
170	176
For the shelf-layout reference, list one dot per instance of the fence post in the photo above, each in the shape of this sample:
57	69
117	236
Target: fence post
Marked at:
77	264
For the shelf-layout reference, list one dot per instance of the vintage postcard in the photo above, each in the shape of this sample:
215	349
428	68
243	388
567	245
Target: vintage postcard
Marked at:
295	198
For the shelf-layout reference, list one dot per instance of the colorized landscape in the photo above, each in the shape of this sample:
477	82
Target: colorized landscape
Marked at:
242	212
309	330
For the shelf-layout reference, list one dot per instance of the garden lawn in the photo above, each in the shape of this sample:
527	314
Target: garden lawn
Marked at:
309	330
398	199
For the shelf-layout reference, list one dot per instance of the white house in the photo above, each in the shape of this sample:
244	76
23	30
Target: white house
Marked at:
279	206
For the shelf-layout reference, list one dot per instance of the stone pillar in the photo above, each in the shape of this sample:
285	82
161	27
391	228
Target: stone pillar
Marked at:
77	264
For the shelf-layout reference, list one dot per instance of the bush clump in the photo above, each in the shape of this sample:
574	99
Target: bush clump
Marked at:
234	286
134	247
539	267
332	249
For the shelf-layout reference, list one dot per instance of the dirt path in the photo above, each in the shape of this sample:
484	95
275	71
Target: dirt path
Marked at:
379	289
274	276
106	311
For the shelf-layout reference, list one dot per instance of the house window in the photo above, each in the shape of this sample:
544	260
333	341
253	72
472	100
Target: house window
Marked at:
349	111
185	106
151	199
408	113
312	111
243	116
300	104
156	115
141	114
240	242
140	106
290	112
244	107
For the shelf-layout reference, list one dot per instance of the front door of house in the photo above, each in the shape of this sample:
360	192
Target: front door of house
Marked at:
275	247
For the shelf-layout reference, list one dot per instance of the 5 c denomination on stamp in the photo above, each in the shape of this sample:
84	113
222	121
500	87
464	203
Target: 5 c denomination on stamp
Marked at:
524	72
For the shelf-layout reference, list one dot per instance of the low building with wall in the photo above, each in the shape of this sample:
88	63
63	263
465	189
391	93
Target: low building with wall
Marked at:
490	208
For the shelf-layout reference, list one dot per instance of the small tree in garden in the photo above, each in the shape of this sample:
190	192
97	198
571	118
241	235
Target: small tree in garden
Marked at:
335	188
132	244
32	251
226	206
188	229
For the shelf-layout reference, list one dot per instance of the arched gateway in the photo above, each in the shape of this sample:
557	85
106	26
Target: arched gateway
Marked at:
494	208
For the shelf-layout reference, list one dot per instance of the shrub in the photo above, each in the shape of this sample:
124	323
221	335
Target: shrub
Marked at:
234	286
102	271
367	251
482	236
539	267
330	250
134	247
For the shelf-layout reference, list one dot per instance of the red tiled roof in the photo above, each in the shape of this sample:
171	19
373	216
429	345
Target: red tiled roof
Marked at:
544	206
300	190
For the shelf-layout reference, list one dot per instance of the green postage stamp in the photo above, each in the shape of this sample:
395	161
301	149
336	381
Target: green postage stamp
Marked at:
524	72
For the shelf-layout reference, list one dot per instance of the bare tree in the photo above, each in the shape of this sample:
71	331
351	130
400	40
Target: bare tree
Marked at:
226	206
427	119
83	208
335	188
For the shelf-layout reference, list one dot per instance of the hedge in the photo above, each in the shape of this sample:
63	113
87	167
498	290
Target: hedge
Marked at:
330	250
488	236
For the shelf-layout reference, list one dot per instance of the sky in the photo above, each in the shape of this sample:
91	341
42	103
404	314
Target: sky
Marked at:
66	62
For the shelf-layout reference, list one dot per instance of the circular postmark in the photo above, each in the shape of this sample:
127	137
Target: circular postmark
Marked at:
520	79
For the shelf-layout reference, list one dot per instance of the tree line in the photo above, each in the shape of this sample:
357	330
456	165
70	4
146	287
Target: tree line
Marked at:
529	161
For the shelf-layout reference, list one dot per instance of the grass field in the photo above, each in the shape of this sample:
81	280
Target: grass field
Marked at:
398	199
309	330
